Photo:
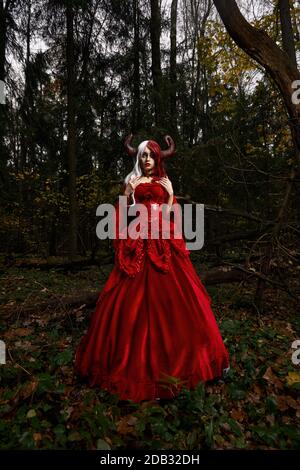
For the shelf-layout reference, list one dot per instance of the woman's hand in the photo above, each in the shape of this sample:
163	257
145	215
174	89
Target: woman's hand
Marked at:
132	184
166	183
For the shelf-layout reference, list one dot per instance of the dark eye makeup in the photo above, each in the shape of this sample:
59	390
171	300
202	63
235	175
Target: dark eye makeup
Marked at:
145	155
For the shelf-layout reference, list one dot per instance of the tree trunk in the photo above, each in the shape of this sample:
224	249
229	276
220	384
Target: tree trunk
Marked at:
71	143
137	121
258	45
27	104
287	30
155	28
3	32
2	40
173	71
280	65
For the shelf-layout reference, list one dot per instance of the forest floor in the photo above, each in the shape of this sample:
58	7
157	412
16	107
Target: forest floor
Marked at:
43	404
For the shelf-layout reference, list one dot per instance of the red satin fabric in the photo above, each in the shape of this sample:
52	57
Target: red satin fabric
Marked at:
153	329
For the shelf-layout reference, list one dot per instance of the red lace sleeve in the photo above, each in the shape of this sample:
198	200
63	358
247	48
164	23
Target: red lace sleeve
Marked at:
129	253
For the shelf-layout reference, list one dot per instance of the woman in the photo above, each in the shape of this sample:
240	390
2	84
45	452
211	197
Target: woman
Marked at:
153	329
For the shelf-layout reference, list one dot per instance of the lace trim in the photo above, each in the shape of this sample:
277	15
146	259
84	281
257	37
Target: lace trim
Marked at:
158	250
134	267
130	253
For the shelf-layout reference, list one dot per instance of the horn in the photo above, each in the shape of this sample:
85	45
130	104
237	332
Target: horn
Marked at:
132	151
171	147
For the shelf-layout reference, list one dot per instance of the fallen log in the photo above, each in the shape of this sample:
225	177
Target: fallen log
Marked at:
224	274
85	300
88	300
66	265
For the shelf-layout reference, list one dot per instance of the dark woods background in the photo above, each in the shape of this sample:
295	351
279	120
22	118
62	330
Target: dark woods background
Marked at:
217	76
80	75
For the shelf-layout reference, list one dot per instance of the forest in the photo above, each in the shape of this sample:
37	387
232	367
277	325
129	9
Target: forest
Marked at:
221	77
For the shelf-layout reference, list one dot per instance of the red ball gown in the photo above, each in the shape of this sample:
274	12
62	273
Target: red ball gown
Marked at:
153	329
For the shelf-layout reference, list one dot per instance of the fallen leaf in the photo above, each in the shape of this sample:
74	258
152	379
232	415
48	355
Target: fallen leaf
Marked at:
12	333
292	378
272	378
31	414
282	403
125	425
28	389
238	415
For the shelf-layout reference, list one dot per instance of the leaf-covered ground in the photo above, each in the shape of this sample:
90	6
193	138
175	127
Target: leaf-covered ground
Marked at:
43	404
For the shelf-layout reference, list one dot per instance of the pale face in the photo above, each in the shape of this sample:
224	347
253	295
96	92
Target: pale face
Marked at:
147	161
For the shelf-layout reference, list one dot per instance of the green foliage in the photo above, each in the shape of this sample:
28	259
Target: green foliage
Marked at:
43	405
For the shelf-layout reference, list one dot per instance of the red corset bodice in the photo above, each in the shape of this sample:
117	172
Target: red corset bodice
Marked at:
130	252
150	192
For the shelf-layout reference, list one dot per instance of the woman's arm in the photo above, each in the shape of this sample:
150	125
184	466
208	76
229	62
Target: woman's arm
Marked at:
166	183
170	201
127	191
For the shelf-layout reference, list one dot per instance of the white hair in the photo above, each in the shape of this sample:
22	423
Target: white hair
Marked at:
136	171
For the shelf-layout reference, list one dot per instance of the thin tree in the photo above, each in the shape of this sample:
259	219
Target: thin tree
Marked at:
155	29
71	127
5	23
173	71
136	115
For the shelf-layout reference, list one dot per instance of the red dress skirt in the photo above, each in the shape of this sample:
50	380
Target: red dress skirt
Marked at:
153	329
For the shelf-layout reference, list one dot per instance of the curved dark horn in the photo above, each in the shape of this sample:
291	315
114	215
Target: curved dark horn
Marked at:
132	151
171	147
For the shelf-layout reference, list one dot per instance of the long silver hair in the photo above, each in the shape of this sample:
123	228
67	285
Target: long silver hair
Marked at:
136	171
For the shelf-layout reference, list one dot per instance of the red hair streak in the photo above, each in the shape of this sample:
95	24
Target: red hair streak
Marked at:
158	170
